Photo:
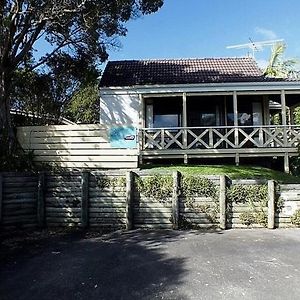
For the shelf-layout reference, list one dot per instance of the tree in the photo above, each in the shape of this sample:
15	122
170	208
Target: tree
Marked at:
280	67
84	105
73	30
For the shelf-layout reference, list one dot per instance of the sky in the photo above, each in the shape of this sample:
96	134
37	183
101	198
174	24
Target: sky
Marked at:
203	28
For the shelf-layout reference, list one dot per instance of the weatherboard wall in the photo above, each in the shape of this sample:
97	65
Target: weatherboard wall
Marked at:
120	109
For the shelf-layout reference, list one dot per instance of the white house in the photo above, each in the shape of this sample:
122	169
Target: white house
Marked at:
200	108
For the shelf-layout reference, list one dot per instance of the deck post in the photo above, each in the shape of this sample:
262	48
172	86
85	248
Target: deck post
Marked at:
235	120
266	110
184	124
286	163
285	141
283	116
292	117
142	124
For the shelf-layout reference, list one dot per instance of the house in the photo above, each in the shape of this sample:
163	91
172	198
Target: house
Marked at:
201	108
27	118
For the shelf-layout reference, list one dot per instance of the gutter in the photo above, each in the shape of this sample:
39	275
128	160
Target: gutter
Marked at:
276	87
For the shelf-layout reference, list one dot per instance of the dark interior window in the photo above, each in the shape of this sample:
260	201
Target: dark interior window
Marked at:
167	112
245	110
166	120
205	111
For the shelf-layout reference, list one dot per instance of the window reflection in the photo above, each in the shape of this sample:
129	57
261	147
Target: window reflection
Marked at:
166	120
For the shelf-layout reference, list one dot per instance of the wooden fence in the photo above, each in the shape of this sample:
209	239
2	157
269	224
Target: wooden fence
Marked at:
115	200
75	146
240	212
289	200
18	199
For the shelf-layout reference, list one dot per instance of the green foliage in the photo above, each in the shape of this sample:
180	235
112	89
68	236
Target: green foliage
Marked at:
33	93
279	204
256	198
110	182
295	165
295	219
78	36
84	105
247	218
279	66
248	194
276	119
17	161
297	115
158	187
195	186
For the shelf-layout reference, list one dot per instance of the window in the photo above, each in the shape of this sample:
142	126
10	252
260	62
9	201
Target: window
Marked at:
166	120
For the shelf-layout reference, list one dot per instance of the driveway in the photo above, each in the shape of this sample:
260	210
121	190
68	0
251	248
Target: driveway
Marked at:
233	264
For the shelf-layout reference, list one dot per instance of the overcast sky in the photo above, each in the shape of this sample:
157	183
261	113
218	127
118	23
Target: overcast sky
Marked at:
196	28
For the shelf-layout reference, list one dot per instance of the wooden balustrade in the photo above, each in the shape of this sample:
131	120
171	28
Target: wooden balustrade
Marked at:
222	137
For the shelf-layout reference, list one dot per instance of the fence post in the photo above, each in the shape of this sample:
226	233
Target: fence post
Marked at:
222	202
129	199
175	199
85	199
271	204
41	200
1	197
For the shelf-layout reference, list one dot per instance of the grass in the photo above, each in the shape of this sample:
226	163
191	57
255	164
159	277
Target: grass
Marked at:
233	172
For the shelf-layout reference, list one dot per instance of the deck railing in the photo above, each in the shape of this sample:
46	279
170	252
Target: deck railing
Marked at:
220	137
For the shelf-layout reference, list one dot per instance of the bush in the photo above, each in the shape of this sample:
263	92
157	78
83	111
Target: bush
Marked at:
295	219
19	161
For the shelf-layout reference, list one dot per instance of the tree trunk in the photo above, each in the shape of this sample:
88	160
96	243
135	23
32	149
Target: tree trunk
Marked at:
7	136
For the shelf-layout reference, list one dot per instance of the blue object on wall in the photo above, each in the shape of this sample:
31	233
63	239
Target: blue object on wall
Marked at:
123	137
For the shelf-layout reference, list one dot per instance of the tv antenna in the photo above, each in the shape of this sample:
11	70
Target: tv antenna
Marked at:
255	46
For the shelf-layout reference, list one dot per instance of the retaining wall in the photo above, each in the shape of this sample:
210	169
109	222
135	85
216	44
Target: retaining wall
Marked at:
114	200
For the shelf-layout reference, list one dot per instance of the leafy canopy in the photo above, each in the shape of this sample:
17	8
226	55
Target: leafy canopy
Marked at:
280	67
79	28
77	35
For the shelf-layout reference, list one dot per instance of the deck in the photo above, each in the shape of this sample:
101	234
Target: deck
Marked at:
219	142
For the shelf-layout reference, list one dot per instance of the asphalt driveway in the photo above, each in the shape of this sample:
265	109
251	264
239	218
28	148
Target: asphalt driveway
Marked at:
234	264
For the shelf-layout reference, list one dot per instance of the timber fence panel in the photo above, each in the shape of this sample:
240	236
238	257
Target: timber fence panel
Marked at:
245	212
152	210
198	210
107	200
119	200
76	146
63	199
19	200
288	196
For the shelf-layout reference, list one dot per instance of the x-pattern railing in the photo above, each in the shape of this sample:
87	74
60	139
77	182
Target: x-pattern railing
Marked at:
222	137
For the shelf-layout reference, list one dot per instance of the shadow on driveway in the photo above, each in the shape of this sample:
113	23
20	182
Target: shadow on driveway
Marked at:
234	264
135	265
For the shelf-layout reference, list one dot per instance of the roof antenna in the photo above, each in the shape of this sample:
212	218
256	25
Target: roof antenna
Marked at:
255	46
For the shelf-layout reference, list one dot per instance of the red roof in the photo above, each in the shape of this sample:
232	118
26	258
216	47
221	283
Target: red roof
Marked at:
181	71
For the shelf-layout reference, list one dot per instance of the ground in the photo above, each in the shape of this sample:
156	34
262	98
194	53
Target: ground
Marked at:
233	264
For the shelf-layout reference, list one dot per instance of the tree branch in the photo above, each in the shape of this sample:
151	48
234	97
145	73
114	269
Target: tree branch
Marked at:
29	44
